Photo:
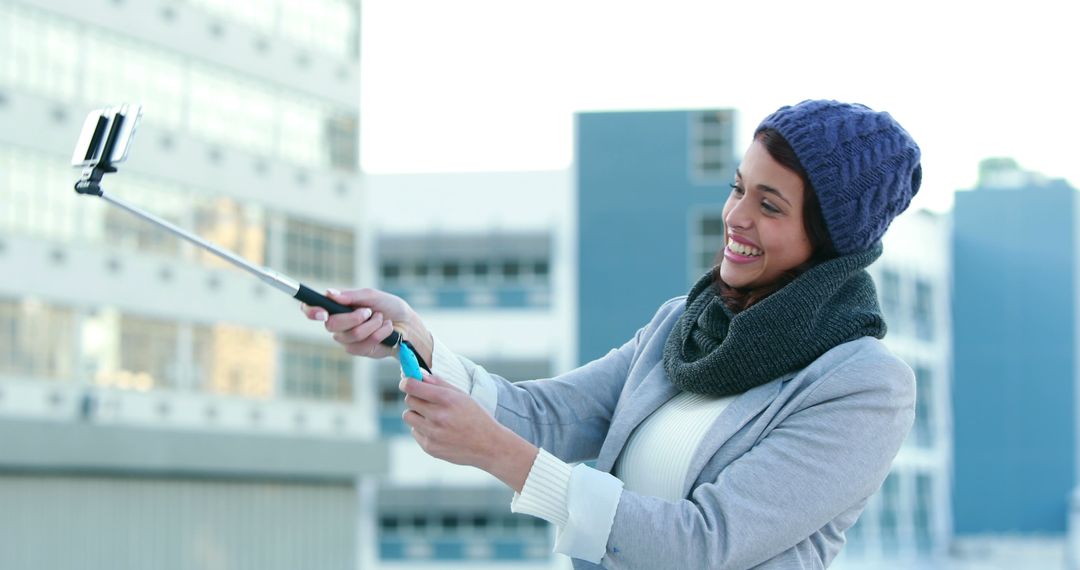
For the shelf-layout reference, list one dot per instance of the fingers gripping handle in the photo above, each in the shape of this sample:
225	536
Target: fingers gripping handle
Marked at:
307	295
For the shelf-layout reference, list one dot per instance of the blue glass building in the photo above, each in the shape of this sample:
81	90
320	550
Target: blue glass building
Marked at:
650	189
1015	365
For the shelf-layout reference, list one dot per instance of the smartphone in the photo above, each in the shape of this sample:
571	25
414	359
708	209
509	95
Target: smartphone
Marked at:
106	135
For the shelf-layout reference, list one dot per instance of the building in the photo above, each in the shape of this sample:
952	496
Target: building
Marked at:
650	193
1015	369
157	408
485	258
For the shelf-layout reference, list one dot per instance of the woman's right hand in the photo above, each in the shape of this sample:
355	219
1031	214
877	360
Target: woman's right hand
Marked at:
377	314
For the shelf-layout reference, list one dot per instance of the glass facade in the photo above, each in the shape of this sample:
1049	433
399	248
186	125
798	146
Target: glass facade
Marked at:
319	251
467	524
38	202
317	371
131	352
462	271
234	360
36	340
62	60
330	26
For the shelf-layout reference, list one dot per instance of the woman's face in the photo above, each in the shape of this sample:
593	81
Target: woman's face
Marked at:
763	218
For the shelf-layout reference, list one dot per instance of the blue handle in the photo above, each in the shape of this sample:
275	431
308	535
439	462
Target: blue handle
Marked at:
410	366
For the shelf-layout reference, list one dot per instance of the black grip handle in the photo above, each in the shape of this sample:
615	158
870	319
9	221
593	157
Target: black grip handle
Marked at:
309	296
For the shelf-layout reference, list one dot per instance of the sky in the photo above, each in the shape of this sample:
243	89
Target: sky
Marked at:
492	85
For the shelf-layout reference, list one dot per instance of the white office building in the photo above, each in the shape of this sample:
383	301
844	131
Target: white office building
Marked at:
908	523
159	409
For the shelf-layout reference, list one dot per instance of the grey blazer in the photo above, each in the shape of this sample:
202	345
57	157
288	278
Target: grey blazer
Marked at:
783	472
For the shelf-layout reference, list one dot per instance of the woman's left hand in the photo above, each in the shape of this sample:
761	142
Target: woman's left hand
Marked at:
450	425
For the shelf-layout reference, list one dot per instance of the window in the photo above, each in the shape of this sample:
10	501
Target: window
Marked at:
923	430
149	355
924	310
890	515
706	243
391	271
890	296
924	501
319	251
234	360
469	524
237	227
62	60
36	340
391	400
343	142
461	271
713	154
316	371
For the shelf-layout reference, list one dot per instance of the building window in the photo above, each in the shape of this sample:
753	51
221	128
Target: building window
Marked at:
890	295
237	227
453	272
234	360
391	400
316	371
924	310
923	431
47	55
149	355
890	515
472	524
706	243
343	142
319	252
36	340
712	154
924	503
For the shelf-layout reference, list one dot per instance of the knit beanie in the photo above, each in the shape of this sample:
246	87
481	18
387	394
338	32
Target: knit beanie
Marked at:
863	166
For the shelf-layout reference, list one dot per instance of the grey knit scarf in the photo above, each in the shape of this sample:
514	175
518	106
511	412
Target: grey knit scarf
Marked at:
714	351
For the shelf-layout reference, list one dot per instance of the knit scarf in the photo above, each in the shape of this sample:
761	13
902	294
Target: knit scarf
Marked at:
716	352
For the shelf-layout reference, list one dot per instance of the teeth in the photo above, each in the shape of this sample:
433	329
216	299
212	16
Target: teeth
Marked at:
743	249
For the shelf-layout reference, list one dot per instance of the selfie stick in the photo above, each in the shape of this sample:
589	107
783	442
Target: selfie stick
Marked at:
90	184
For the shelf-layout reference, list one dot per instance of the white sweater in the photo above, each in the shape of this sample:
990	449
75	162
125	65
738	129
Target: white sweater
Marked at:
655	461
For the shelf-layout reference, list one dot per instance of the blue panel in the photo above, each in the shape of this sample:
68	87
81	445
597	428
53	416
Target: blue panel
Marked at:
448	549
511	297
634	198
392	424
451	297
1014	372
508	550
391	549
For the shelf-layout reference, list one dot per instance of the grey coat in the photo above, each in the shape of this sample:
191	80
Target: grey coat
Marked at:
779	477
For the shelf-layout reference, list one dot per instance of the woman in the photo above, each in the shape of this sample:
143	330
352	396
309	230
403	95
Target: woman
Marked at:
747	423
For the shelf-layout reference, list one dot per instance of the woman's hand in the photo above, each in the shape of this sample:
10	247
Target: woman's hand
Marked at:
377	314
450	425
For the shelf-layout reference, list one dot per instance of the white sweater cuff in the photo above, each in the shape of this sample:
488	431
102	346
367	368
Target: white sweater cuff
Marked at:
448	366
544	492
579	500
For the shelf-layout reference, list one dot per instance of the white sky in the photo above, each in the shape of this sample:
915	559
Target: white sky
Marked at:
477	85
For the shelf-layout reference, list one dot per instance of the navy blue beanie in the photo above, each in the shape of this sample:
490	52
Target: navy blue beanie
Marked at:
863	165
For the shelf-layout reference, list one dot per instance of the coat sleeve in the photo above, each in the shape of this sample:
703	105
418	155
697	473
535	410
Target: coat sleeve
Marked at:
568	415
827	456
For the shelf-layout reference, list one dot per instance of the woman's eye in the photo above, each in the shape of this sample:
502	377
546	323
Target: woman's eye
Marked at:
770	208
736	189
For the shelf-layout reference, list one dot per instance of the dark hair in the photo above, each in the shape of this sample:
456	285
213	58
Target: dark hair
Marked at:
822	249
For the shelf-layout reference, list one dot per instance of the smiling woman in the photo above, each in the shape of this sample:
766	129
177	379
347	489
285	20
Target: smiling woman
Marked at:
748	423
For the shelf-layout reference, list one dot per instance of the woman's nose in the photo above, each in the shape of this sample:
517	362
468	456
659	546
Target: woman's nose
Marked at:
739	216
